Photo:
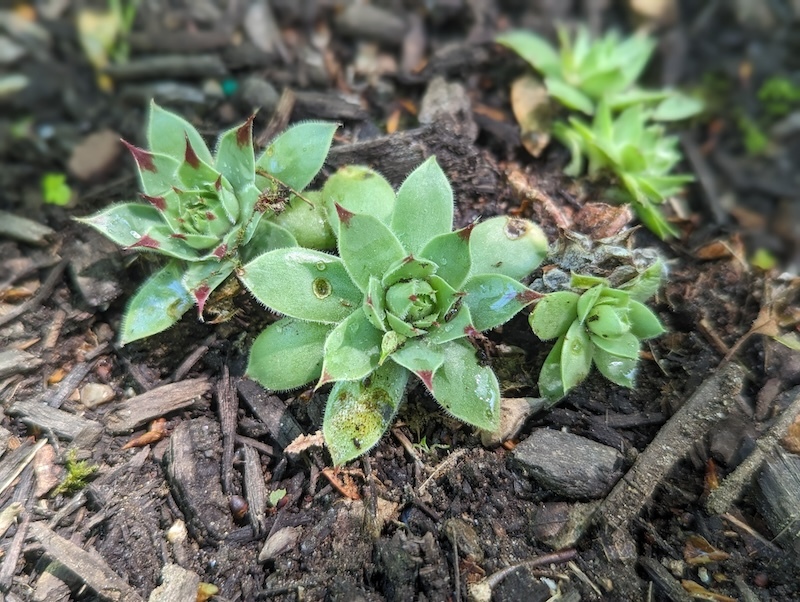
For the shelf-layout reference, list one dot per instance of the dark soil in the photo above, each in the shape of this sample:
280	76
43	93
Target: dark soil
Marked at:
430	513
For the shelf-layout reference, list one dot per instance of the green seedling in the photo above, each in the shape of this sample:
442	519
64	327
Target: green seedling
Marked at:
638	155
78	473
779	96
207	213
599	325
584	71
406	295
55	190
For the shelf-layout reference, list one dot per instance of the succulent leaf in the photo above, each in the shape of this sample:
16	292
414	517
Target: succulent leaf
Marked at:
288	354
235	159
124	223
450	253
167	134
367	247
464	388
550	383
424	207
644	323
358	413
625	345
420	358
202	278
352	349
494	299
537	51
455	327
554	314
307	221
617	369
358	189
158	304
576	356
302	283
268	236
506	245
297	155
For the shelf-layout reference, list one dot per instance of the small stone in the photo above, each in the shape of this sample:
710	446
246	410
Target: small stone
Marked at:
14	361
95	155
260	94
466	539
569	465
514	411
279	543
95	394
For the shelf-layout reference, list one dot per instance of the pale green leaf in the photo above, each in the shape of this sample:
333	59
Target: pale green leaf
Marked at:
167	134
466	389
358	413
455	327
552	315
158	304
297	155
203	277
551	384
358	189
625	345
493	299
569	96
587	301
420	357
644	323
267	236
367	247
352	349
450	252
424	207
124	223
533	49
302	283
619	370
308	223
576	356
509	246
235	159
677	106
288	354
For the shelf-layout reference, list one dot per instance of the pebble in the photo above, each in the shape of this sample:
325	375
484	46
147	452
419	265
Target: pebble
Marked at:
462	533
95	155
260	94
569	465
95	394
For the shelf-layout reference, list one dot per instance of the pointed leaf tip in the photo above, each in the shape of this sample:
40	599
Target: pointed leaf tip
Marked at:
159	202
528	296
324	379
426	376
201	295
189	155
143	158
466	232
344	215
220	251
146	242
243	134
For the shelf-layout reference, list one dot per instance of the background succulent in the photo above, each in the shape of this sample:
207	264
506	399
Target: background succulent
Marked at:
595	324
205	212
405	296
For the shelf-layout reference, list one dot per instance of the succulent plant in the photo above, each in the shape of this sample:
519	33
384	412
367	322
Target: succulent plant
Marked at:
206	213
600	325
583	71
406	295
639	156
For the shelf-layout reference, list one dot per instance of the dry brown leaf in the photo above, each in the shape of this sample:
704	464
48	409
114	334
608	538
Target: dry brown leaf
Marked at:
304	442
156	432
532	110
699	592
346	486
698	551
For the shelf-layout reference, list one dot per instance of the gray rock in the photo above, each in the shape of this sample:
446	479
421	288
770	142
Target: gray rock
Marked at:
260	94
569	465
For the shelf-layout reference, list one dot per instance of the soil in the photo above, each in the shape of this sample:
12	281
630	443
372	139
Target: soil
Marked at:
431	513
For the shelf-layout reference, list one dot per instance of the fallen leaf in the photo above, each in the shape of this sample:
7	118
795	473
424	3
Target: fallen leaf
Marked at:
346	486
698	551
698	591
304	442
156	432
532	109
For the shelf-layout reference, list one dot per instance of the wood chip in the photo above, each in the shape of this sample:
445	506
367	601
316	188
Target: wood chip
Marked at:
255	490
90	568
63	424
14	361
157	402
176	584
24	229
270	410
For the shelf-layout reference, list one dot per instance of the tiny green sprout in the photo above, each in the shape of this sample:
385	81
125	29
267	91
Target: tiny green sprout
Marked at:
208	213
55	190
406	295
276	496
600	325
78	472
639	156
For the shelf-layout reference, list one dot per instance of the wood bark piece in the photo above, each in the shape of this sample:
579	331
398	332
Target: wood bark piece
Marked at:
168	66
270	410
14	361
155	403
779	483
659	574
707	406
90	568
255	491
732	486
24	229
176	584
228	406
568	464
193	471
63	424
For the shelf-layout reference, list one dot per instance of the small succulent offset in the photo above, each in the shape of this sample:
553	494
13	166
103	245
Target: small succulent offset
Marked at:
601	325
583	71
406	294
626	138
639	156
207	214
